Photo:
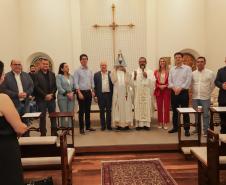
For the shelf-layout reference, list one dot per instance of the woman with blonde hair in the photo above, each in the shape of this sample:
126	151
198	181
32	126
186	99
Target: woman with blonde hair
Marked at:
11	126
162	93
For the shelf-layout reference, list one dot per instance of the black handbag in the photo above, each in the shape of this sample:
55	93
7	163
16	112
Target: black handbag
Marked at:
46	181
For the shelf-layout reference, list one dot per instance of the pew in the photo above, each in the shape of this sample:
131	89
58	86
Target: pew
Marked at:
211	159
42	153
185	144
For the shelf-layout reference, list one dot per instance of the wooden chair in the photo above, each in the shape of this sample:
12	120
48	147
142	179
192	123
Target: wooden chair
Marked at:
184	145
42	153
214	117
58	116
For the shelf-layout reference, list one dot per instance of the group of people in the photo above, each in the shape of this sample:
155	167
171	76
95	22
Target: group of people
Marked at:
118	94
125	99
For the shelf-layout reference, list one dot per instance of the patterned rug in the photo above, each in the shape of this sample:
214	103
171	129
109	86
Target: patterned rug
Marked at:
135	172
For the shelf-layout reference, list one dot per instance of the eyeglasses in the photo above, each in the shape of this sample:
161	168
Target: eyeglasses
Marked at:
16	64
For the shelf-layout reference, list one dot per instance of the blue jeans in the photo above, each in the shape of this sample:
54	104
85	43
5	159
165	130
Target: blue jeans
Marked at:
66	105
205	107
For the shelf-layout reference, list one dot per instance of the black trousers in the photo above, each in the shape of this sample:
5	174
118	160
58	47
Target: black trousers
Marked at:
84	108
43	106
105	102
181	100
223	119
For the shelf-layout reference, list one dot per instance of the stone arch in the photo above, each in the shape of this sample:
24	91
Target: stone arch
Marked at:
33	58
190	56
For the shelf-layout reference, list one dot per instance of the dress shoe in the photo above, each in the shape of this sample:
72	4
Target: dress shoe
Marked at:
109	128
172	130
146	128
91	129
126	128
102	129
82	132
118	128
160	125
187	133
138	128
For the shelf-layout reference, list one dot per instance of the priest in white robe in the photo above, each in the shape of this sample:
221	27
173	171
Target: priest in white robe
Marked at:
143	85
122	116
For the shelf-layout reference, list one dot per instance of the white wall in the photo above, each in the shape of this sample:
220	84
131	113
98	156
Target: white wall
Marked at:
76	32
216	33
151	33
180	25
97	43
9	32
46	27
57	28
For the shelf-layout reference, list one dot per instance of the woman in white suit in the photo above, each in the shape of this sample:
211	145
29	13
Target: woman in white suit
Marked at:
65	96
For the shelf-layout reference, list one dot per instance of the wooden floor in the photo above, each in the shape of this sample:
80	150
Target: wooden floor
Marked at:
87	168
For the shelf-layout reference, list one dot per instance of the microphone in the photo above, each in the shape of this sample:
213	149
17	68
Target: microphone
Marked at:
142	67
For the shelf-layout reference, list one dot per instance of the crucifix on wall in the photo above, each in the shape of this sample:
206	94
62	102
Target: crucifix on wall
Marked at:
113	26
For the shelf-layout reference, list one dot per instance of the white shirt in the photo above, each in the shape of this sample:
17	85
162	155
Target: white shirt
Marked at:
202	84
19	84
105	82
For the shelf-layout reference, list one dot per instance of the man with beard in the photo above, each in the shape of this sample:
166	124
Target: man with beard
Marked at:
143	80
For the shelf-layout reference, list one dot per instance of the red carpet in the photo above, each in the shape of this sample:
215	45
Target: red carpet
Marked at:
135	172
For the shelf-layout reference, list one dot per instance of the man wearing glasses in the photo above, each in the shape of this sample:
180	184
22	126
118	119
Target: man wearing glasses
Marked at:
18	85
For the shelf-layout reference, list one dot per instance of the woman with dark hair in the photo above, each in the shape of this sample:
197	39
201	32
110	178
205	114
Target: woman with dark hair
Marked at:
162	93
11	126
65	96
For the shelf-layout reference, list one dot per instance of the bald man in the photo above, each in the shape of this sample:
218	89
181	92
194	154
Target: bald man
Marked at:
104	90
18	85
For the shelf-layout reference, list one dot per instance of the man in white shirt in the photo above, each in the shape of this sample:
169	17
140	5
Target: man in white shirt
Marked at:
103	91
18	85
202	87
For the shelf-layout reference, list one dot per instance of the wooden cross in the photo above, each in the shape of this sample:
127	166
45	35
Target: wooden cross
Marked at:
113	26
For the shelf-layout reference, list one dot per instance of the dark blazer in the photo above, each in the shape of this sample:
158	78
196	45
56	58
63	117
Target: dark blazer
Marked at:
220	79
44	87
98	84
9	87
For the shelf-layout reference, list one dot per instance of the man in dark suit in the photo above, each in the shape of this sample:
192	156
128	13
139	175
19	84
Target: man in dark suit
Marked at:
104	90
18	85
220	82
45	94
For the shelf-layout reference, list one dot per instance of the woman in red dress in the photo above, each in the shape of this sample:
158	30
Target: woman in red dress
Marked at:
162	93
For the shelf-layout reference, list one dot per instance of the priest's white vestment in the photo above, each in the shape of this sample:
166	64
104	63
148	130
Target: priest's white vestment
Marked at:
143	97
122	115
